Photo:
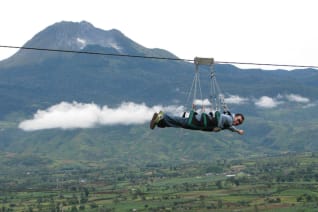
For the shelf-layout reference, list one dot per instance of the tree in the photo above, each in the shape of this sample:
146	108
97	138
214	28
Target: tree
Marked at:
219	184
220	204
74	209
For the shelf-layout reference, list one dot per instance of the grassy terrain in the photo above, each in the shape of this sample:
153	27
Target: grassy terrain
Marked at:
282	183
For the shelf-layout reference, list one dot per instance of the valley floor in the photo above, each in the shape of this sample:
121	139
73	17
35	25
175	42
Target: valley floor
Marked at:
283	183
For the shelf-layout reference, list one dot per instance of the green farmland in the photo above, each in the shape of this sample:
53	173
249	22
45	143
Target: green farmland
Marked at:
287	182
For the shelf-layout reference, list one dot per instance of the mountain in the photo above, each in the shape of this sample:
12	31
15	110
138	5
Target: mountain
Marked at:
36	77
76	37
33	80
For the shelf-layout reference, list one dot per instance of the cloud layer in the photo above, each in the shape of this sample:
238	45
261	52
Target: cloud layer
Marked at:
297	98
235	99
271	102
267	102
79	115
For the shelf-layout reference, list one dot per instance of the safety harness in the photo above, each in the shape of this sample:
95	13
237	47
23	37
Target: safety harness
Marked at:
207	122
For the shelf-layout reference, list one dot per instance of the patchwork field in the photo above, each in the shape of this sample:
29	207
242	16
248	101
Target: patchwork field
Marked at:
278	183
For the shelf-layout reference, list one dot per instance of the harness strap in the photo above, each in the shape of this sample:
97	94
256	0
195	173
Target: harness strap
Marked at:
206	122
217	115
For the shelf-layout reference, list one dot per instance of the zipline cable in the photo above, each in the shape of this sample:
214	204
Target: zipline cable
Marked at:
153	57
93	53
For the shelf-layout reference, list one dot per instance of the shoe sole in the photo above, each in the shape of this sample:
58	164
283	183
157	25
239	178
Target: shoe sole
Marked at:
153	121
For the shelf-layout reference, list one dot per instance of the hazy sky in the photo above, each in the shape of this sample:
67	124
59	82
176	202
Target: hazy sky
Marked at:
258	31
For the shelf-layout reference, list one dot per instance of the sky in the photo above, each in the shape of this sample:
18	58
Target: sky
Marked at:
251	31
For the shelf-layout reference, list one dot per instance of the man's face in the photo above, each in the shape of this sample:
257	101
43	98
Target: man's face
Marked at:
237	120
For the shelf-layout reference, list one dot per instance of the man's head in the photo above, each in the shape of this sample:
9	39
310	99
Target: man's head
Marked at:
238	119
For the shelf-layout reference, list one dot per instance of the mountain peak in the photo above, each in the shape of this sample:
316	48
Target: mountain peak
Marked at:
73	36
76	36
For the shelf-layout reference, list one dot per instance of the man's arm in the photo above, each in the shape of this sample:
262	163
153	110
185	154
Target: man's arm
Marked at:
241	132
234	129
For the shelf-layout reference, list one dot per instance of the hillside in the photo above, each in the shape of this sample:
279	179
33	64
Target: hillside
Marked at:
280	106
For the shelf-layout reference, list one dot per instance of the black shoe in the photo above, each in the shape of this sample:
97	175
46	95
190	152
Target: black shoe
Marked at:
153	121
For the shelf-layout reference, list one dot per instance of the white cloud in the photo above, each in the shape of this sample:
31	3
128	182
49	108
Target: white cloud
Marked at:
79	115
235	99
232	99
297	98
204	102
309	105
115	46
267	102
81	42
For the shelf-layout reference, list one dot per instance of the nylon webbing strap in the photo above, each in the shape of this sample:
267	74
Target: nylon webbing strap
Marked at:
192	122
217	117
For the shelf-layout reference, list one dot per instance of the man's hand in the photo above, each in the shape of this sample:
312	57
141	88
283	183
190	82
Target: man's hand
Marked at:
241	132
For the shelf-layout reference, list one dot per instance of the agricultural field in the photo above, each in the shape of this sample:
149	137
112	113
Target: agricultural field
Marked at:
286	182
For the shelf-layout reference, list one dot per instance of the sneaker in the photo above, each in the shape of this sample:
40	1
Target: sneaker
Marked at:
155	119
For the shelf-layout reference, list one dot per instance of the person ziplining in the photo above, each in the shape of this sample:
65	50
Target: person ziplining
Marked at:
199	121
214	121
